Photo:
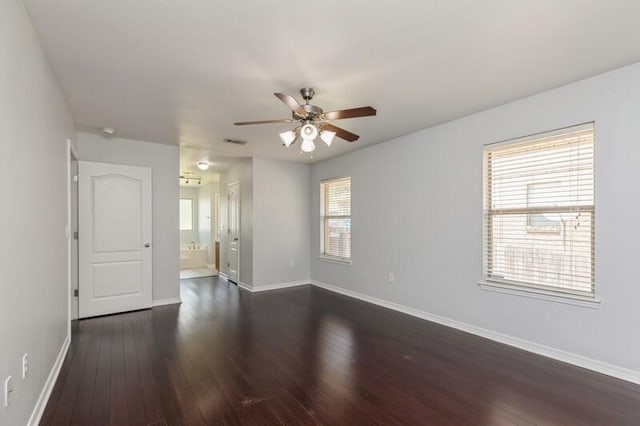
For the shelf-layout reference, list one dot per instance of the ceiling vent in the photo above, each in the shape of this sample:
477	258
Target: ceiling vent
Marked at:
234	141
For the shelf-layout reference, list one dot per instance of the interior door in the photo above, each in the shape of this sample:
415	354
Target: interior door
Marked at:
114	206
233	211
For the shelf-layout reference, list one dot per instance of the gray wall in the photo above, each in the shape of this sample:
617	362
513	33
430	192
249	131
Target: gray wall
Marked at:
204	217
163	160
242	172
33	182
417	212
281	214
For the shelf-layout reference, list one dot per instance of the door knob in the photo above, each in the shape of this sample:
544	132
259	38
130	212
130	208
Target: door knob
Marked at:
147	245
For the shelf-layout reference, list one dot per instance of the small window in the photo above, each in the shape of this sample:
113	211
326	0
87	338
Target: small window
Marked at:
186	214
335	218
539	212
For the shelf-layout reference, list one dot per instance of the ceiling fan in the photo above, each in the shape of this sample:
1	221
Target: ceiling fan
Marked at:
313	121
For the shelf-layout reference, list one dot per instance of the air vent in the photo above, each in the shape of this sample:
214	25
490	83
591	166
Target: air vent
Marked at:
234	141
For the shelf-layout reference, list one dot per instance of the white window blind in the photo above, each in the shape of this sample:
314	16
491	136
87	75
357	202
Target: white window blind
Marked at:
186	214
335	218
539	211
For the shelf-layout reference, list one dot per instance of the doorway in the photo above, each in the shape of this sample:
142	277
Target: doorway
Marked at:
197	227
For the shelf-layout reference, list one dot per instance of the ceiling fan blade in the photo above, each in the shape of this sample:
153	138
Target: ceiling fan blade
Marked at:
350	113
246	123
292	103
341	133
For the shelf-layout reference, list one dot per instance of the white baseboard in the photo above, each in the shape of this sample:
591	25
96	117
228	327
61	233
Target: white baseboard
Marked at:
244	286
167	301
557	354
223	275
38	410
276	286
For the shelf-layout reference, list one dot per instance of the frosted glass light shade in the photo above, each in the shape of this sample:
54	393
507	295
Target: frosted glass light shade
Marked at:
308	145
288	137
327	136
203	165
309	131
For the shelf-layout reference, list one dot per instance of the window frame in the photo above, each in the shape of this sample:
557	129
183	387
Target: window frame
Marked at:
531	289
325	218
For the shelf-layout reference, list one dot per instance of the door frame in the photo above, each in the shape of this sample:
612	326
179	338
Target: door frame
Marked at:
72	155
238	207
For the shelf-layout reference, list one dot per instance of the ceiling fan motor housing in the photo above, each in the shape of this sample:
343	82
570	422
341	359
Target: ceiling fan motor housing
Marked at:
307	93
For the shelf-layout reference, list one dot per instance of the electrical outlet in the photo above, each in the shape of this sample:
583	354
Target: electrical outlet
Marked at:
392	277
8	390
25	365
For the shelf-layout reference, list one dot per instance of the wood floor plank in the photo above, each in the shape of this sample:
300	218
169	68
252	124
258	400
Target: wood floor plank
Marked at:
149	387
308	356
118	383
87	333
135	415
100	404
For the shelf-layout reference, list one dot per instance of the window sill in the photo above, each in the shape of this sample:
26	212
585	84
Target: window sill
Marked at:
534	293
338	260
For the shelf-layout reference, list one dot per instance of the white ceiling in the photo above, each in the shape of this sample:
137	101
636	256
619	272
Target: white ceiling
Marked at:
181	72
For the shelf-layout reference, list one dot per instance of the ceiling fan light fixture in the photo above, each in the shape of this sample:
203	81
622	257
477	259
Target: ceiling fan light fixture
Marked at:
312	120
309	132
308	145
288	137
327	136
203	165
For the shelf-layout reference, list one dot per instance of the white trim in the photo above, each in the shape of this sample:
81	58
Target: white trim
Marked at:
69	234
167	301
557	354
276	286
43	399
244	286
534	293
333	259
223	275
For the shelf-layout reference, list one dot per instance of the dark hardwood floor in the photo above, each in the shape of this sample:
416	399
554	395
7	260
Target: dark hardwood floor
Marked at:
308	356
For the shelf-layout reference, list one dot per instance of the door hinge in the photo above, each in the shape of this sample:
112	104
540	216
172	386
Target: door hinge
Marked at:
76	292
75	235
75	178
228	264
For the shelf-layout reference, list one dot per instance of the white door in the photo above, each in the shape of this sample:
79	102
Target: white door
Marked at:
114	206
233	255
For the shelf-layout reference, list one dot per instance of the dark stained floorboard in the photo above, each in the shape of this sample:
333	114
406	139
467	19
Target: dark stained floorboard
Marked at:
307	356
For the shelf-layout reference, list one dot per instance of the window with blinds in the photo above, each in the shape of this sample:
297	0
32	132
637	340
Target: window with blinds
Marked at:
539	211
335	218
